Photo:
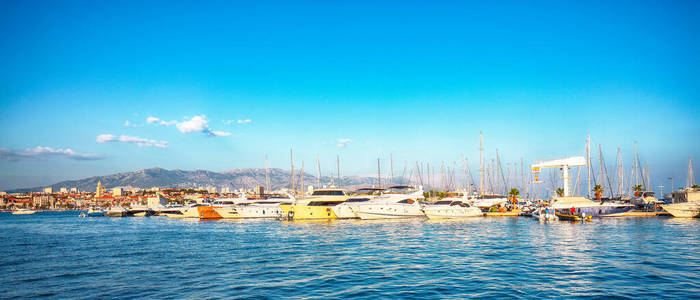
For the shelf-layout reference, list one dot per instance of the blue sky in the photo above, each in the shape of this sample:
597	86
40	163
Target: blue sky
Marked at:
415	79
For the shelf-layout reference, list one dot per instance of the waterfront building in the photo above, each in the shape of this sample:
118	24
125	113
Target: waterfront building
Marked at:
117	191
157	201
259	190
100	190
73	190
48	190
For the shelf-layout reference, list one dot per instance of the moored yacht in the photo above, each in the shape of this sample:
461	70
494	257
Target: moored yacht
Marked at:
397	203
347	209
23	211
488	201
265	208
318	206
224	208
190	211
686	203
451	208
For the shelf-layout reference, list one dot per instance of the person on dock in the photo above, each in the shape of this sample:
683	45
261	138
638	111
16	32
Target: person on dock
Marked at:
573	210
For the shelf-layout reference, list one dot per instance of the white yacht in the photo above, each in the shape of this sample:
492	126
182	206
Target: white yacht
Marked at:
189	211
347	209
267	208
393	205
227	208
450	208
488	201
23	211
686	204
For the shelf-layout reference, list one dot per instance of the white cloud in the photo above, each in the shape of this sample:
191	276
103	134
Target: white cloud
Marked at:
246	121
196	123
152	120
168	123
220	133
343	142
199	124
41	152
229	122
102	138
141	142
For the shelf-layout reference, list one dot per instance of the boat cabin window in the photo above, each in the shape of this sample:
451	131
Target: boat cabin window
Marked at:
323	203
358	200
443	202
328	193
409	201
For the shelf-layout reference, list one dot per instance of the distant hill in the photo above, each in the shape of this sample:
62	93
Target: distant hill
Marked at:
234	179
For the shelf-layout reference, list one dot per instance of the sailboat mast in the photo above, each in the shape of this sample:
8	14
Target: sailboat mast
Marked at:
337	157
636	165
267	176
481	166
293	187
391	170
318	170
302	178
379	176
588	164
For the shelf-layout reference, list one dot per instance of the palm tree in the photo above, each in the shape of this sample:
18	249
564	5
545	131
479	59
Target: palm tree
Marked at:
514	193
695	186
560	192
598	190
637	190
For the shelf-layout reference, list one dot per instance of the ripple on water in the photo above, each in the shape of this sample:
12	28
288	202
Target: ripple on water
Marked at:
61	256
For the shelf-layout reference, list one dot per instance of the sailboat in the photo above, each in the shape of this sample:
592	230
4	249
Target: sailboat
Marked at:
686	202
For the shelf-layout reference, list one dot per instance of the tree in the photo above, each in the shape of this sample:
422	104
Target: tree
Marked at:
514	193
695	186
637	190
598	190
560	192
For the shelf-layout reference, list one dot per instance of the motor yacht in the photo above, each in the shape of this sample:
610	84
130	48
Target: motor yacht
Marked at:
317	206
266	208
225	208
488	201
23	211
396	203
189	211
451	208
347	209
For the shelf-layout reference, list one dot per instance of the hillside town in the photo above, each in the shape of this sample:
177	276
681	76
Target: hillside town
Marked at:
74	199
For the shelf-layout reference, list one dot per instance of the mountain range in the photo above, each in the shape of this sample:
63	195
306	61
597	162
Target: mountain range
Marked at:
233	179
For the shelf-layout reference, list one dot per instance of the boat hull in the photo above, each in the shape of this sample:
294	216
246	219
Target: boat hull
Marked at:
389	211
255	212
683	210
598	211
227	212
452	212
345	211
31	212
305	212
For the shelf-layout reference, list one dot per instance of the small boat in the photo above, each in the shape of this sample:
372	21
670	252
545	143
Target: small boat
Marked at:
116	212
23	211
545	214
575	218
94	212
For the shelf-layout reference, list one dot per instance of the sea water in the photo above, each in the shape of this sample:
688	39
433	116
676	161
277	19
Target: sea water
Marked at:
58	255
